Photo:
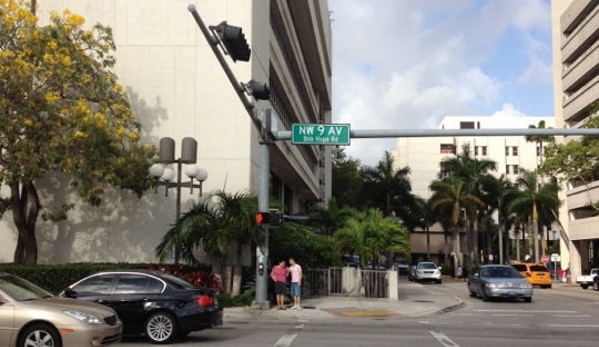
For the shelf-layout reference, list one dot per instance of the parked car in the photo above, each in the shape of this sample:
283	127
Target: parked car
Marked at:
427	271
596	283
588	280
412	273
151	303
402	266
32	316
535	274
498	281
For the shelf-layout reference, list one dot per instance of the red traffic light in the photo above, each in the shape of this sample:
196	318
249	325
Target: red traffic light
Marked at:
262	218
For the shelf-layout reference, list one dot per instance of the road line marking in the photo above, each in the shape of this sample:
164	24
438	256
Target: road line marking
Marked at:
443	339
529	311
285	340
585	326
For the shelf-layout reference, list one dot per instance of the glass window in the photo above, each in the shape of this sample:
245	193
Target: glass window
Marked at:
484	150
515	169
128	284
96	284
507	151
514	151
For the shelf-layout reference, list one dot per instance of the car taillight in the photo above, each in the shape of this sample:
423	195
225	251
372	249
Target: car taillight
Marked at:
528	274
205	301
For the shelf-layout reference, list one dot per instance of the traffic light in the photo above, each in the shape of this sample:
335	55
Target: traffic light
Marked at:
233	39
262	218
259	90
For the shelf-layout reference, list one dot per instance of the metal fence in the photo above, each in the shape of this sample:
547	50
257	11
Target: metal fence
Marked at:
347	281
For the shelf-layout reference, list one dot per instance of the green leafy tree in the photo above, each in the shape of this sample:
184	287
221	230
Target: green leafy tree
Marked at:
347	182
221	227
450	197
369	234
498	192
533	197
329	218
61	111
389	189
473	172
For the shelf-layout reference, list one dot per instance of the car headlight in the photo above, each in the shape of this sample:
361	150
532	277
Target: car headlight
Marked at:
84	317
526	285
491	285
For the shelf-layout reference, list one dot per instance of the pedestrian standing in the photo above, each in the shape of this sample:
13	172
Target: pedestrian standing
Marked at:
279	276
296	283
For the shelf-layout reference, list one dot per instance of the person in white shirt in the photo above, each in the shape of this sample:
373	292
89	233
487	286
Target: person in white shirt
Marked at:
296	283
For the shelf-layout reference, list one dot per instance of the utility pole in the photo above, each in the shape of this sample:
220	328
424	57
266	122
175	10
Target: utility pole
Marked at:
233	41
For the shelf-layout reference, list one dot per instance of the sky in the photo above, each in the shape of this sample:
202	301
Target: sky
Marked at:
405	64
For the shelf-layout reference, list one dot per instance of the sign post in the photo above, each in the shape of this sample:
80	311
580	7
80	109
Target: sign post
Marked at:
320	134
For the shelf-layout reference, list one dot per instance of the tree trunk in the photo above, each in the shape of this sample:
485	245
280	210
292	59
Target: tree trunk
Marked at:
25	211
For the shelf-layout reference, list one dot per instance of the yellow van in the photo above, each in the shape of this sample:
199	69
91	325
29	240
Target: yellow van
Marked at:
536	274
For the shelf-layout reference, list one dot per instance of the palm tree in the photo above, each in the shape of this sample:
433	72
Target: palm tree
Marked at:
473	172
369	234
384	184
540	139
221	228
533	197
450	197
497	194
330	218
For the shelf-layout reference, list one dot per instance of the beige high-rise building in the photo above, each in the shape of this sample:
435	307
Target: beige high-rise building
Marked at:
424	156
575	27
178	89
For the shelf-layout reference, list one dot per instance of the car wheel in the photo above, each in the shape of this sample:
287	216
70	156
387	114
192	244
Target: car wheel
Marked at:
40	335
484	295
529	299
472	294
160	328
584	286
595	286
439	281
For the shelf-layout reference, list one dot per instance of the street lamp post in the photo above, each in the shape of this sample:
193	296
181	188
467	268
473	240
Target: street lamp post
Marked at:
163	170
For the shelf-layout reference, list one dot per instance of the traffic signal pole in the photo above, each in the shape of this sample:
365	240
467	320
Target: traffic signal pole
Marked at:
261	301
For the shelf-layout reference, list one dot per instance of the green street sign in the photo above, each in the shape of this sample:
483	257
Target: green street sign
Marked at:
320	134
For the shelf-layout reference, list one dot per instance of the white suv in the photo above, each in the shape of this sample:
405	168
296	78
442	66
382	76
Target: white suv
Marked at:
428	271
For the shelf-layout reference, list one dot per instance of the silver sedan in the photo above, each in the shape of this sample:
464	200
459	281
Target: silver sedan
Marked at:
31	316
498	281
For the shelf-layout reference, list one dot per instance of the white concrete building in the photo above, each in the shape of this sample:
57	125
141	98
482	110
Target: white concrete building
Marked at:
424	156
178	89
575	27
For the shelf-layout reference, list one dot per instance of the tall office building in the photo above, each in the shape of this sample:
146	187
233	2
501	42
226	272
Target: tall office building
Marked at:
424	156
178	89
575	27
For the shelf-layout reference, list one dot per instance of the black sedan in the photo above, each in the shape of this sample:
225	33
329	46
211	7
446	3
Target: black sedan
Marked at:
498	281
151	303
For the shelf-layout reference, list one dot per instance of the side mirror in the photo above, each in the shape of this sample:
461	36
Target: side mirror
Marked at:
69	293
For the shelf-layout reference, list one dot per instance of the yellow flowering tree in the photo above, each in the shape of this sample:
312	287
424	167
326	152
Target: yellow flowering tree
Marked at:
61	111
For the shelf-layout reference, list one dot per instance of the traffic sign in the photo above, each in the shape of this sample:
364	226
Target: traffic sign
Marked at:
555	257
320	134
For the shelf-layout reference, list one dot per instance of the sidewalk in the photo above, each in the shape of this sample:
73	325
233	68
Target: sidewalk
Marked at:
415	300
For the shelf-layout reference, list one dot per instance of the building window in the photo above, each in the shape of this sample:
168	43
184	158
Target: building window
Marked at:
539	152
447	148
514	169
515	151
507	151
480	150
466	125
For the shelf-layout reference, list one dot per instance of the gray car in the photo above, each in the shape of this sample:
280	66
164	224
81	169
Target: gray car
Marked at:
498	281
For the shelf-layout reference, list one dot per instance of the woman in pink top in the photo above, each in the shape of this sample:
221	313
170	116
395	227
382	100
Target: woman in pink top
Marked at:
279	276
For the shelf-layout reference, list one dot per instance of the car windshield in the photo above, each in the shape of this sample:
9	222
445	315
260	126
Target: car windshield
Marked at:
427	266
538	268
21	290
500	272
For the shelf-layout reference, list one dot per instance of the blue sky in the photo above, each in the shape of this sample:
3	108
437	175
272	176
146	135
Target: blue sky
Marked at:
404	64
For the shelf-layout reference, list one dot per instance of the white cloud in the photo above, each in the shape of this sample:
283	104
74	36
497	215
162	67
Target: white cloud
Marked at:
406	64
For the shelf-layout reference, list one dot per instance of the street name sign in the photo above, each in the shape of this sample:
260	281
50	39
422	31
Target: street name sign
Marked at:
320	134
